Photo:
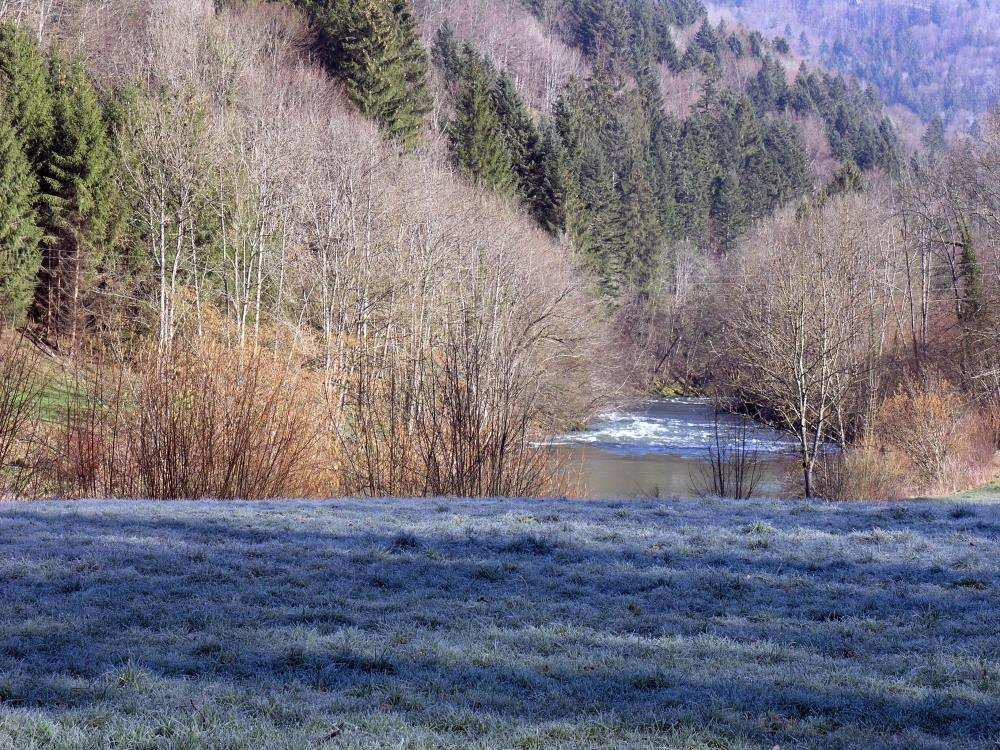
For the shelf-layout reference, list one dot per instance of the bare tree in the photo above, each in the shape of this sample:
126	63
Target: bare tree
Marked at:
811	308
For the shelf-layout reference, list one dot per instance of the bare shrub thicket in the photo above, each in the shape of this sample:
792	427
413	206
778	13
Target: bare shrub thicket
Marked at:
735	468
206	420
20	397
664	339
861	471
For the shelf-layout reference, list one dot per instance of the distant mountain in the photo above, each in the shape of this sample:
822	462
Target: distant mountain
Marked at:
936	58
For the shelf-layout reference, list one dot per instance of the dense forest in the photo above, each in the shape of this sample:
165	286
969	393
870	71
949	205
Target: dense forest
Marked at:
939	58
414	240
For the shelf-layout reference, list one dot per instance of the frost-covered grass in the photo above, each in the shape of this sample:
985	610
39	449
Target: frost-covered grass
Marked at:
499	625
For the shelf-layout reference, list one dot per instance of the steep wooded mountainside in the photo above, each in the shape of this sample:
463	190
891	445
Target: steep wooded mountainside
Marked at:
625	125
938	57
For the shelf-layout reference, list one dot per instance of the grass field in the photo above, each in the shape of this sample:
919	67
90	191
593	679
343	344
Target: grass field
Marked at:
410	624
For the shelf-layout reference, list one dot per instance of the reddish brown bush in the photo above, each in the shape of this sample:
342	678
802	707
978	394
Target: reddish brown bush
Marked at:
934	433
207	420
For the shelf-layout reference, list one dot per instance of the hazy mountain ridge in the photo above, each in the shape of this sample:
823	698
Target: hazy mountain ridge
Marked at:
940	57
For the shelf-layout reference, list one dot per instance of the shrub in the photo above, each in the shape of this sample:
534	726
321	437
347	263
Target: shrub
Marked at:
734	468
20	395
934	433
927	439
860	472
458	419
205	420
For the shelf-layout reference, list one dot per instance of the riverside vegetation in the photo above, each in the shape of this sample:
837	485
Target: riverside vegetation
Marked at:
269	249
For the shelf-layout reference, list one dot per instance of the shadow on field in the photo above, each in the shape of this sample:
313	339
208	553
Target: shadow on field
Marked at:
759	635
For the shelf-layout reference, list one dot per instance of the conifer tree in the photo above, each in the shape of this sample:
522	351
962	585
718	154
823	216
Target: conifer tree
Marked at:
601	27
446	53
535	183
971	274
78	199
707	40
374	46
410	120
20	256
663	140
729	209
476	135
549	209
933	139
25	93
735	46
848	179
786	149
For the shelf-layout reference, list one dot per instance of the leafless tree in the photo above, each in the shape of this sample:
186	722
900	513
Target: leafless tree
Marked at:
811	308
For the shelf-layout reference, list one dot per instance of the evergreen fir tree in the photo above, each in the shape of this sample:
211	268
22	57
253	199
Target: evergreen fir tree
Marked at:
735	46
697	169
446	53
524	142
549	208
769	89
476	134
601	28
24	91
933	139
374	46
78	199
971	273
786	149
848	179
729	210
707	40
663	138
409	120
20	256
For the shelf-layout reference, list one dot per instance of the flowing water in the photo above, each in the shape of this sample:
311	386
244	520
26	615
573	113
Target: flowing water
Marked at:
659	448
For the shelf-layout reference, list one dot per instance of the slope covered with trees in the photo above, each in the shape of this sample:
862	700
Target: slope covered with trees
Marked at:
667	128
403	236
936	58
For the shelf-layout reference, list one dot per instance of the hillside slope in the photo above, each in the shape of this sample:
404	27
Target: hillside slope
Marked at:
499	624
937	58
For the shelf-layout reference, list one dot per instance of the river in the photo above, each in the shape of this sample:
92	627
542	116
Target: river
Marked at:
659	448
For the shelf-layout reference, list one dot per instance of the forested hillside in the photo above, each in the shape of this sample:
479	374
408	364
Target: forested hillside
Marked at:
412	240
936	58
638	127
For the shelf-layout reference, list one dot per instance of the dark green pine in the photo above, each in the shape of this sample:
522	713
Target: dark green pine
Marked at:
79	197
20	256
476	135
24	91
